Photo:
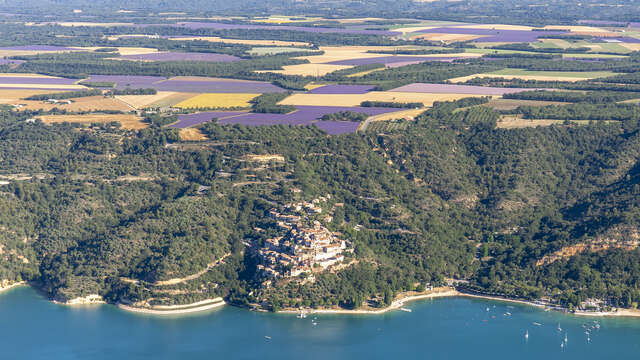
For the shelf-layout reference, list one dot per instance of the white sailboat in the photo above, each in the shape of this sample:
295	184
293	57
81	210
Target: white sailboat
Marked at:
526	335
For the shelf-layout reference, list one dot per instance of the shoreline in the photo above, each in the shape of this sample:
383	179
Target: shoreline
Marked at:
209	304
199	306
12	286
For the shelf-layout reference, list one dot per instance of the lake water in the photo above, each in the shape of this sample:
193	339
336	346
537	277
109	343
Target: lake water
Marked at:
454	328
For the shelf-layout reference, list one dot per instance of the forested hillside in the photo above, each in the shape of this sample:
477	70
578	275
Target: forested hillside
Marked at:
104	210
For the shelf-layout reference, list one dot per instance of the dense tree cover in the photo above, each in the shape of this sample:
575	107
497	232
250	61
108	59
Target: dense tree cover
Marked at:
566	96
448	196
268	103
345	116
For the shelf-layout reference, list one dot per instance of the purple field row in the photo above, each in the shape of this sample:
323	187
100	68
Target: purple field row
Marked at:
622	39
313	29
458	89
179	56
196	86
9	61
495	35
185	121
389	60
305	115
36	80
36	48
342	89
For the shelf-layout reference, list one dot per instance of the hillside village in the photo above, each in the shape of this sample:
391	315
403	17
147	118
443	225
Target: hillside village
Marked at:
307	246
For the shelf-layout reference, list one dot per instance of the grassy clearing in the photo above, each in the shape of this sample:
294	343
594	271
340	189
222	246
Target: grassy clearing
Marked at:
515	122
192	134
90	103
218	100
511	104
128	121
538	75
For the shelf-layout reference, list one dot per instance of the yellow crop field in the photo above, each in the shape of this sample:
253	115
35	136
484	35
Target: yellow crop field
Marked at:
404	114
143	101
43	86
124	50
218	100
630	46
570	76
12	96
574	28
307	69
363	73
311	86
128	121
411	29
355	99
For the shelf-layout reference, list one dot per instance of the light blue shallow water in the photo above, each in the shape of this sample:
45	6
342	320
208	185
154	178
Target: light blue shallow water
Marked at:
457	328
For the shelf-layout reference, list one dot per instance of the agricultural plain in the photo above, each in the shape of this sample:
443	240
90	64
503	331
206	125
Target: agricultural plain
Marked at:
218	100
356	99
128	121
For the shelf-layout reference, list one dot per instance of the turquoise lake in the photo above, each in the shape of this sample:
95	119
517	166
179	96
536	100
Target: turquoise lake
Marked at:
453	328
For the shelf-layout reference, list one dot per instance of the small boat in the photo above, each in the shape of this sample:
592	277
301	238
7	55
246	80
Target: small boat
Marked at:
301	315
526	334
559	328
267	337
507	314
597	326
566	339
405	309
562	345
487	309
537	324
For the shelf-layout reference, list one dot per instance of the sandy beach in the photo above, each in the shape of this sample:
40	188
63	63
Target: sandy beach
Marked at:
92	299
203	305
11	286
452	292
396	304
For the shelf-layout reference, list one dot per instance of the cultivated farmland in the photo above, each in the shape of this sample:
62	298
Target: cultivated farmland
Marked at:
178	56
538	75
356	99
128	121
218	100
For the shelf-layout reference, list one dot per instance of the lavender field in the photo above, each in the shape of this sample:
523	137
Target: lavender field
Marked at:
9	61
36	80
204	85
36	48
342	89
458	89
180	56
495	35
185	121
305	115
